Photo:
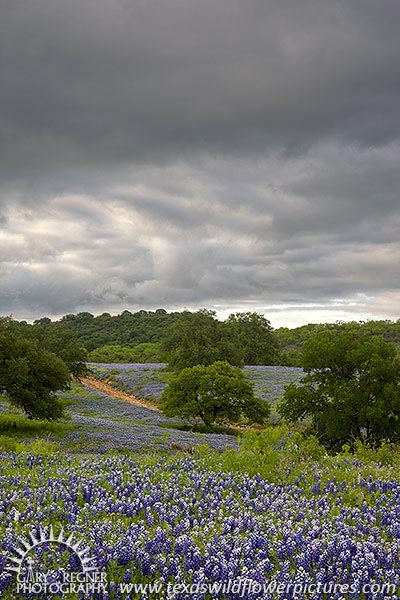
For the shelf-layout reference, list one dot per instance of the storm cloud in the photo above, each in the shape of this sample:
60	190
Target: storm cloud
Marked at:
235	155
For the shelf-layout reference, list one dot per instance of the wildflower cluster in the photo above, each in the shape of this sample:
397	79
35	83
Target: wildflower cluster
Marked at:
103	423
148	380
270	382
185	526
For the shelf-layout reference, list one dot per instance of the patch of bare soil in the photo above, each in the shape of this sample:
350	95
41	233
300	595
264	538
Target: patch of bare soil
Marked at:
109	390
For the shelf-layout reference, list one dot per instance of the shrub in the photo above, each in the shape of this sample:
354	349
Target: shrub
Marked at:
215	393
351	390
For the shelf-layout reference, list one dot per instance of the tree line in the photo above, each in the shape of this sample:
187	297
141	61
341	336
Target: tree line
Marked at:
126	329
351	387
139	336
350	390
145	336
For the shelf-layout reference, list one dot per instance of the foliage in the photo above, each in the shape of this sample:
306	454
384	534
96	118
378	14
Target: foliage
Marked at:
56	338
124	329
18	425
250	334
255	337
10	444
199	427
64	344
199	339
351	390
215	393
38	447
276	453
284	456
132	329
29	374
291	341
148	352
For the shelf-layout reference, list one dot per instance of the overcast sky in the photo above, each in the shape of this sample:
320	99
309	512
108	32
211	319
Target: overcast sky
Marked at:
236	155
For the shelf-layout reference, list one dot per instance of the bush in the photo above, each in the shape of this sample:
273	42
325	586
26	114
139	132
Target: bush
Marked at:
351	390
275	453
215	393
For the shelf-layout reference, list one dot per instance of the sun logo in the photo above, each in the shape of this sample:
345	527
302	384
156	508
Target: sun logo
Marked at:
37	539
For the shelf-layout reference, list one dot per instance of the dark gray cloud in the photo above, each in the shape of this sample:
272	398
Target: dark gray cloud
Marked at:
221	153
99	81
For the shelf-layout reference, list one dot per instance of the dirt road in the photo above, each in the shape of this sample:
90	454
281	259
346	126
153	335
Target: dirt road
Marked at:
109	390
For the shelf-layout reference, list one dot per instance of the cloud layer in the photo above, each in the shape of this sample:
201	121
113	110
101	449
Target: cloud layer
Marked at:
224	154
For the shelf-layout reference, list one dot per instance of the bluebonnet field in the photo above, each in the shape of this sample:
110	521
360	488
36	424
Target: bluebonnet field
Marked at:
178	520
269	382
103	423
146	380
205	517
149	380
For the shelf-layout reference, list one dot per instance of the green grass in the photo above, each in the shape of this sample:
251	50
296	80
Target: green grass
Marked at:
20	434
201	428
16	425
286	457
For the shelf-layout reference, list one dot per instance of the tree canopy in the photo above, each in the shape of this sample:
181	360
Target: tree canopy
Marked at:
30	374
63	343
216	393
199	339
351	389
255	337
127	328
291	341
250	332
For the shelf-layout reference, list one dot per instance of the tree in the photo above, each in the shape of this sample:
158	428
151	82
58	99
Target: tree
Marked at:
63	343
30	375
351	390
215	393
199	339
125	329
255	337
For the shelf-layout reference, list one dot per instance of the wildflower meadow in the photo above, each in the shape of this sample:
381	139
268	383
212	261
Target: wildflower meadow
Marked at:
166	513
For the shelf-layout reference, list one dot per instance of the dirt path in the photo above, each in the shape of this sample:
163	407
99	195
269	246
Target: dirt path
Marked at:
109	390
